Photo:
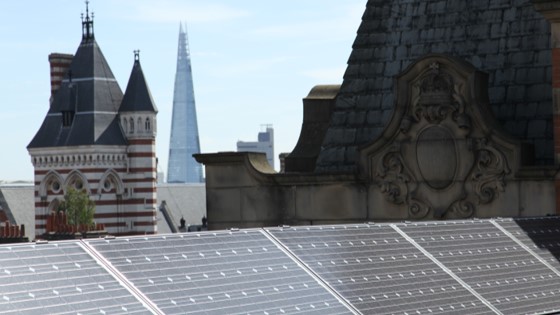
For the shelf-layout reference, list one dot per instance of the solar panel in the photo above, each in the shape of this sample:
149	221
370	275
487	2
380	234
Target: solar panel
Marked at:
541	235
59	278
235	272
491	263
378	271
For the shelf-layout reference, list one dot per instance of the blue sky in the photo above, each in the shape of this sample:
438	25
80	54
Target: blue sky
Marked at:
253	62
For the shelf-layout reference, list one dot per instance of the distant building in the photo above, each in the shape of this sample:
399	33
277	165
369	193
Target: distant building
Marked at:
97	139
264	144
184	141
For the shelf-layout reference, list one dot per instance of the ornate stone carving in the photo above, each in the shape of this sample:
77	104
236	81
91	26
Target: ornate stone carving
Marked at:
434	99
396	184
395	178
439	157
489	171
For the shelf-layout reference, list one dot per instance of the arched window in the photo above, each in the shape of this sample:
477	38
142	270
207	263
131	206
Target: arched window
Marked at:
148	124
139	126
131	125
125	125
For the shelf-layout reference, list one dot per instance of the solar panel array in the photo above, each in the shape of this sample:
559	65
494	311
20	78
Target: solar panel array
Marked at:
378	271
492	263
541	235
240	272
501	266
60	278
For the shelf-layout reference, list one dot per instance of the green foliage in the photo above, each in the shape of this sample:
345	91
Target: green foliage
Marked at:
78	207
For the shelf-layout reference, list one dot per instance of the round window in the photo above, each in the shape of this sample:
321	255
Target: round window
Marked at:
55	186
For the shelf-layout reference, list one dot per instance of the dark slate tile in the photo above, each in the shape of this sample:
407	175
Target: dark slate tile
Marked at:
516	128
543	58
510	14
402	52
488	46
351	155
544	110
392	68
539	92
536	129
497	94
478	31
516	93
495	61
410	37
356	118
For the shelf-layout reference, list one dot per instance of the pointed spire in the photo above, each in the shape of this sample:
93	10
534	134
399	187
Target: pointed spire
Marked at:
183	51
87	24
137	96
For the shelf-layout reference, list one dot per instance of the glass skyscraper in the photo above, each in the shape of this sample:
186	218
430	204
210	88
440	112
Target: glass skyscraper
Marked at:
184	142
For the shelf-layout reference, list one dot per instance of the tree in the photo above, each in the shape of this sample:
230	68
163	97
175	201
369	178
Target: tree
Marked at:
78	207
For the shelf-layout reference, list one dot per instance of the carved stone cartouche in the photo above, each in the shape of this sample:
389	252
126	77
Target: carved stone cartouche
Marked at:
442	154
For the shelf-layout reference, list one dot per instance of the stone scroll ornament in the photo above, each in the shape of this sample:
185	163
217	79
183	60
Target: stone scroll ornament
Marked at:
438	162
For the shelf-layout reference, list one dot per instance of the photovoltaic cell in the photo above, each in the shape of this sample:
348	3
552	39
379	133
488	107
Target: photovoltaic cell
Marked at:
491	263
59	278
241	272
378	270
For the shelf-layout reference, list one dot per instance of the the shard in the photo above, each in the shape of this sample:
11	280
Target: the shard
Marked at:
184	141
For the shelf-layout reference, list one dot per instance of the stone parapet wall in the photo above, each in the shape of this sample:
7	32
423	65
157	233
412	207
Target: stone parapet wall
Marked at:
238	195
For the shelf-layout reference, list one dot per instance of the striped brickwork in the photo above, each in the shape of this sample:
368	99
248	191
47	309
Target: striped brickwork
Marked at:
59	64
121	181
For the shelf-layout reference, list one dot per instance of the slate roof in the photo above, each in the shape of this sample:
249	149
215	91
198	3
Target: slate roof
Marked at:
507	39
137	96
186	201
18	202
91	91
495	266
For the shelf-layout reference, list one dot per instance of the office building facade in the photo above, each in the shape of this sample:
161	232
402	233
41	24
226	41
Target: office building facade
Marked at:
264	144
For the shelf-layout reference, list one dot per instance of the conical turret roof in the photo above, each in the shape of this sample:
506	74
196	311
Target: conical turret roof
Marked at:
137	96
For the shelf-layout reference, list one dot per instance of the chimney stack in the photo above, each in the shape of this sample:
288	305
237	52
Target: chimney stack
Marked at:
59	67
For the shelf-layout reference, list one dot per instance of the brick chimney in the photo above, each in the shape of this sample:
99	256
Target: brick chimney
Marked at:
59	66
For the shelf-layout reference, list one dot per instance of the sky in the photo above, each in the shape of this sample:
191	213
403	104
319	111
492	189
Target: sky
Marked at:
253	61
